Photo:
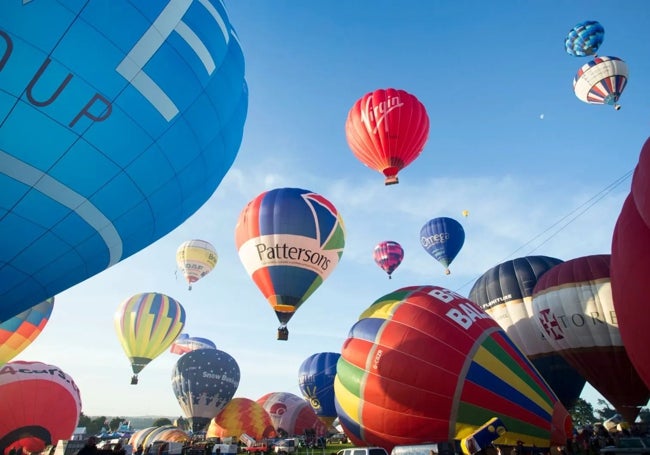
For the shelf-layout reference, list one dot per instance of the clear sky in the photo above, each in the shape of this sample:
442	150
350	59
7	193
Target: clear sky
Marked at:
509	142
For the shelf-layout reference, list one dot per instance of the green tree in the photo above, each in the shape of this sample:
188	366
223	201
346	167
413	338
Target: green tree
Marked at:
582	413
604	412
161	421
115	423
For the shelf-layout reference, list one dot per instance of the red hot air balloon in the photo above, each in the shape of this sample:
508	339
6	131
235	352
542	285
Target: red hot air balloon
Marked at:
388	255
291	413
425	364
630	270
387	130
641	183
573	306
39	404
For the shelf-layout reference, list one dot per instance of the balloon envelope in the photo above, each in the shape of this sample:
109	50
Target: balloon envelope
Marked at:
387	130
388	255
601	81
289	241
425	364
146	325
640	188
196	258
442	238
185	343
241	415
39	404
316	382
204	381
505	292
291	413
573	306
18	332
584	39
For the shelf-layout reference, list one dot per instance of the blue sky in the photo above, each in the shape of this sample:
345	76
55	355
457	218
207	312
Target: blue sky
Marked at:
509	142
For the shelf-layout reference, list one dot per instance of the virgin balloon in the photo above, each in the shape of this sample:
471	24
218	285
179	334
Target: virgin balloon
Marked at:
425	364
573	306
601	81
387	130
146	325
196	258
104	149
442	238
40	404
388	255
505	292
289	241
204	381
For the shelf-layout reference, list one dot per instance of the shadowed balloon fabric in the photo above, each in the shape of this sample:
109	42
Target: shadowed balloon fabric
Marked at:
103	149
291	413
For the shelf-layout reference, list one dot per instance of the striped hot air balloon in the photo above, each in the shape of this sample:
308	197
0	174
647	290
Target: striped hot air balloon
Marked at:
239	416
601	81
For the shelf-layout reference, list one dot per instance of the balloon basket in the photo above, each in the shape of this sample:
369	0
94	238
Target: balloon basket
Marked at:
283	334
393	180
134	379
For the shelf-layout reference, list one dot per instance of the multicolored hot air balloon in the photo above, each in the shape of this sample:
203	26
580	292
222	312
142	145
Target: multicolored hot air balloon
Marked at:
316	382
146	325
629	270
573	306
291	414
289	240
196	258
426	364
239	416
601	81
584	39
204	381
185	343
158	142
18	332
39	404
388	255
387	130
505	292
442	238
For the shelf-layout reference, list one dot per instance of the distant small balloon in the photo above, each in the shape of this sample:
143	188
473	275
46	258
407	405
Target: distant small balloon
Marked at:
465	213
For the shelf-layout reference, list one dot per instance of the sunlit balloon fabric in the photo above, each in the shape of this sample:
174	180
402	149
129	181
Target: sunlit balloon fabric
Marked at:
108	139
584	39
601	81
204	381
442	238
18	332
388	255
242	415
146	325
185	343
387	130
425	364
149	435
289	241
291	413
505	292
316	382
196	258
573	305
39	405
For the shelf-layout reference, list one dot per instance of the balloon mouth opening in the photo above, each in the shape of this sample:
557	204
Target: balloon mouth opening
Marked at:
391	175
28	437
612	100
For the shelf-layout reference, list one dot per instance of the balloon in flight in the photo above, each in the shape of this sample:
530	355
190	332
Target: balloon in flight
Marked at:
573	306
442	238
104	150
584	38
505	292
204	381
196	258
425	364
387	130
40	404
185	343
601	81
316	382
21	330
388	255
146	325
289	241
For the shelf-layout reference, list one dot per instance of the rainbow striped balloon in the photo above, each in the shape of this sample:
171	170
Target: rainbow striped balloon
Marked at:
425	364
18	332
242	415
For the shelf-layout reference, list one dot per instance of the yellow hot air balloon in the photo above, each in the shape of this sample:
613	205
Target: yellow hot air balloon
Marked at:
196	258
146	325
465	213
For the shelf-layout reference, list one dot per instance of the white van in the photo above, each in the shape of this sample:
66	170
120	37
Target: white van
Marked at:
441	448
363	451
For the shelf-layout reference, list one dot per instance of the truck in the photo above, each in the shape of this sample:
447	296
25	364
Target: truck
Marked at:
257	447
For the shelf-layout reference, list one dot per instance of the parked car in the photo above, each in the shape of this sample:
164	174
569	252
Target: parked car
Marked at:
363	451
338	438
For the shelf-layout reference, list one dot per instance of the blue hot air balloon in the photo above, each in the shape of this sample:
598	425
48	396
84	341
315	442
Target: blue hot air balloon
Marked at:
442	238
103	147
584	39
316	381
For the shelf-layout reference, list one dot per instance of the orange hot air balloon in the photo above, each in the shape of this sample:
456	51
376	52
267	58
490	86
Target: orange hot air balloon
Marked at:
387	130
242	415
